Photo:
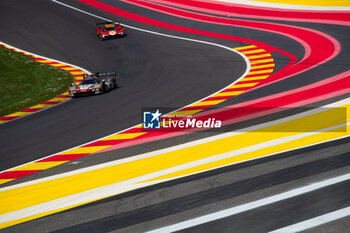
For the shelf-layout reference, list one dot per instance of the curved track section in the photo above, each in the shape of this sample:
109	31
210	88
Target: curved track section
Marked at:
157	71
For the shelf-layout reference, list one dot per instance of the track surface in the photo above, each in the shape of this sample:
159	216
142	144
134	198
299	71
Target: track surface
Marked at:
157	71
65	126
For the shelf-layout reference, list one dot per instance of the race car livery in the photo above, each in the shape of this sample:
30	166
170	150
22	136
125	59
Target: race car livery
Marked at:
97	83
106	30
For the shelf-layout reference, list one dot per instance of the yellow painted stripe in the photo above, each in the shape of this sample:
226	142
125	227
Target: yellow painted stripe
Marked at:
259	56
260	72
59	99
2	181
7	224
2	122
82	150
256	154
38	166
262	66
19	114
253	51
124	136
69	68
255	78
34	194
242	85
204	103
58	65
261	61
44	61
245	47
77	72
185	112
41	106
230	93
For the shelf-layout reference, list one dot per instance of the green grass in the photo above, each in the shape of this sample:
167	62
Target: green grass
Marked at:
24	82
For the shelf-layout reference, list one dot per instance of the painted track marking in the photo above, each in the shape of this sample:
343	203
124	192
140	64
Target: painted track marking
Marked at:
252	205
314	222
27	201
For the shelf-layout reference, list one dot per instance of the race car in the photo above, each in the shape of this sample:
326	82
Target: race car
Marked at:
97	83
108	29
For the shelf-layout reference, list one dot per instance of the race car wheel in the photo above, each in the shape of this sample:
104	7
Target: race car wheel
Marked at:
103	88
115	84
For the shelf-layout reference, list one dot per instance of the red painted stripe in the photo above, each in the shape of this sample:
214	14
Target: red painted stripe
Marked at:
8	118
218	98
67	157
237	89
31	110
246	11
70	71
16	174
257	75
106	142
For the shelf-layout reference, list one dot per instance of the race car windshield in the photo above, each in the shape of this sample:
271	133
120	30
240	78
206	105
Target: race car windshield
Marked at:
110	28
88	81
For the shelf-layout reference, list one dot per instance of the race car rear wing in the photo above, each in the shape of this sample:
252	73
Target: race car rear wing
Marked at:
108	22
107	74
99	74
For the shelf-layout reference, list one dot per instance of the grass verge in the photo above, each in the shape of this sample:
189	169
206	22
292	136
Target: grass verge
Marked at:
24	82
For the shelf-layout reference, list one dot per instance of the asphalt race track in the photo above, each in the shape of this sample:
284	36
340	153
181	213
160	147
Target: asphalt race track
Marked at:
168	72
157	71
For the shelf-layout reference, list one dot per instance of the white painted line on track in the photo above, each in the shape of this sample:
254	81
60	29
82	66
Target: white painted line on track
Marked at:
155	33
251	205
314	222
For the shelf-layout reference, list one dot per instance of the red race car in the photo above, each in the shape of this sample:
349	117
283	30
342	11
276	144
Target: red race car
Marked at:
108	29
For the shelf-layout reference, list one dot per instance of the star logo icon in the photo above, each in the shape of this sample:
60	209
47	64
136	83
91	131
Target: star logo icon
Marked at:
151	119
156	115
